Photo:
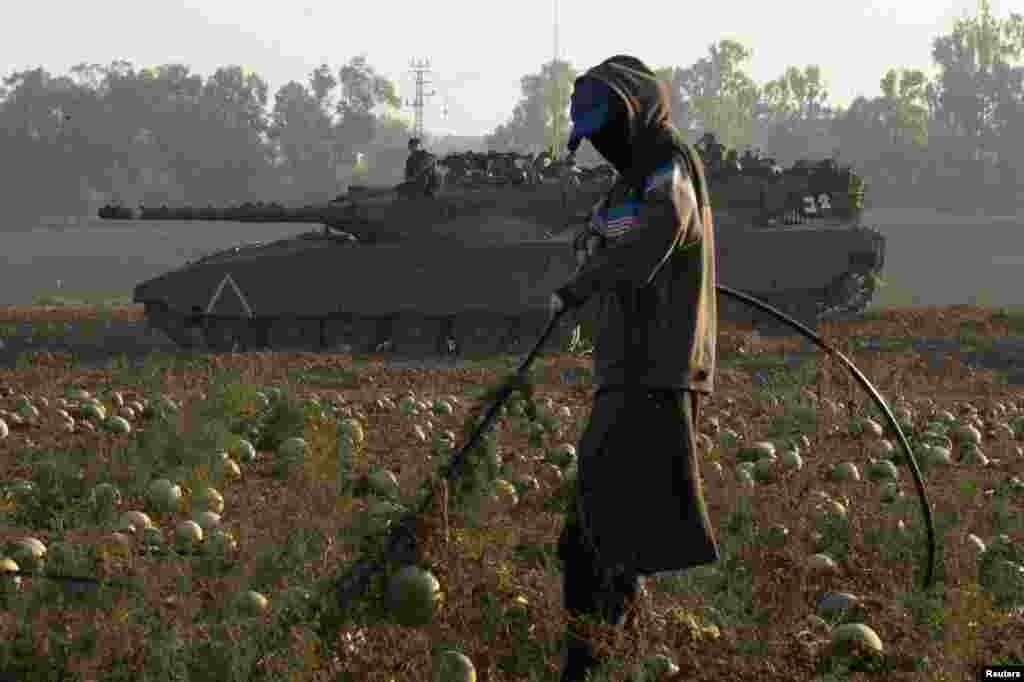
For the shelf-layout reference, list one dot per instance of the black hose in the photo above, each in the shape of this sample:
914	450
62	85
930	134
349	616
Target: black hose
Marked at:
875	395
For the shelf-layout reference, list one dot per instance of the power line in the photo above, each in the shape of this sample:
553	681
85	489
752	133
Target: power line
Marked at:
554	75
421	69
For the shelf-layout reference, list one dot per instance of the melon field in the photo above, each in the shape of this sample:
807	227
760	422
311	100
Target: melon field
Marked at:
217	498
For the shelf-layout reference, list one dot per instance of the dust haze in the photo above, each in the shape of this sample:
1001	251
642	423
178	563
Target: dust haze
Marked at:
941	155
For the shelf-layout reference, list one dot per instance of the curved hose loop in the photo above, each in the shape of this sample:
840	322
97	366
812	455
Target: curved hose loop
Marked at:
875	395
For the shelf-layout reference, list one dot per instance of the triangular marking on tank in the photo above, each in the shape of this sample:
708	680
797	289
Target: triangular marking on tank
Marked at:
228	279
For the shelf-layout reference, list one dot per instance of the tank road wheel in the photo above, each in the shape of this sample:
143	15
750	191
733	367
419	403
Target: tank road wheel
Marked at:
482	333
529	328
417	335
176	326
351	333
226	335
849	293
294	334
800	307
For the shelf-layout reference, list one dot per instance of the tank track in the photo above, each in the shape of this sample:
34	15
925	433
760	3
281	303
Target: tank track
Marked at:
403	334
470	336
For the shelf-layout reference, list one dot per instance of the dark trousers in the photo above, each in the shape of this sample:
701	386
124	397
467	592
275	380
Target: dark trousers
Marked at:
611	599
587	594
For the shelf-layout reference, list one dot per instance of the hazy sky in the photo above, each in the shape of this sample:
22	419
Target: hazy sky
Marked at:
480	49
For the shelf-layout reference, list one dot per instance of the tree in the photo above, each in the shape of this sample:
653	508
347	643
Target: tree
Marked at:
363	90
715	94
976	75
792	114
164	134
540	119
862	131
304	139
905	103
44	166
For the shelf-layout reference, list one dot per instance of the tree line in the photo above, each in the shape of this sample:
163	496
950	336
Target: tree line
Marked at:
921	139
166	135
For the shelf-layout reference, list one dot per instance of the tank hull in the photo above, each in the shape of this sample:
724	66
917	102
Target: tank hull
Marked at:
323	292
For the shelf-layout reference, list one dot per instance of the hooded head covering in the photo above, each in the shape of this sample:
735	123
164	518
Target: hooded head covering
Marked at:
624	109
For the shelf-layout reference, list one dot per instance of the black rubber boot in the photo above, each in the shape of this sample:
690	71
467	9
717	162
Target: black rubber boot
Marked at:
585	595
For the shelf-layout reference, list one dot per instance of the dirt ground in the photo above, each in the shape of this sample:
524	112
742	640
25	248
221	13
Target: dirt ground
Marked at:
771	643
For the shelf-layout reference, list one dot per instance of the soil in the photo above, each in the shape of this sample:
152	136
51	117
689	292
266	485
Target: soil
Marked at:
771	642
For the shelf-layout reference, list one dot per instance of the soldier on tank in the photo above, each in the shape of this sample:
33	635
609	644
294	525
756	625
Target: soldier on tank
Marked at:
415	160
732	162
420	171
748	160
542	164
713	152
648	257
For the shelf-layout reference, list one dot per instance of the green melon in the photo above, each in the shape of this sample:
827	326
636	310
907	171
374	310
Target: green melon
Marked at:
408	406
93	411
562	455
293	448
890	492
755	451
791	460
353	429
244	451
118	425
939	456
29	553
220	541
976	543
882	470
384	483
188	534
136	520
776	535
442	408
78	394
164	494
855	638
207	520
413	596
153	536
253	603
506	493
105	496
9	584
845	471
452	666
208	499
653	667
766	469
821	563
969	434
380	513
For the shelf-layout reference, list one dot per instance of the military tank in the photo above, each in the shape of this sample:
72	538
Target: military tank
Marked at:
470	270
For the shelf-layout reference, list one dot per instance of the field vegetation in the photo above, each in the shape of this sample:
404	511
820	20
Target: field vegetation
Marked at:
218	497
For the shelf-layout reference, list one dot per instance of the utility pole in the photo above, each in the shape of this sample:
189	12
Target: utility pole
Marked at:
421	69
555	111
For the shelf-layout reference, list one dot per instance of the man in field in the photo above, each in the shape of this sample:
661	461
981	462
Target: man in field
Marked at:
648	258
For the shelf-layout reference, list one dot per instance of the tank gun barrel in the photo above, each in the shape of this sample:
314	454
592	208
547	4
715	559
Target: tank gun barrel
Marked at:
344	208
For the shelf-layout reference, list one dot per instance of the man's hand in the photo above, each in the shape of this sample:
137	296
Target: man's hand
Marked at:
556	306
